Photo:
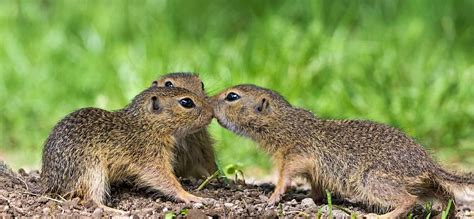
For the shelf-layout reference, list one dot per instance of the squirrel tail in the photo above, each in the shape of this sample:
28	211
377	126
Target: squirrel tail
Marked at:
461	186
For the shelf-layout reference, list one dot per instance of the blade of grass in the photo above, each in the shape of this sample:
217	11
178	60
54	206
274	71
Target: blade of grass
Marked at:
445	213
328	196
208	179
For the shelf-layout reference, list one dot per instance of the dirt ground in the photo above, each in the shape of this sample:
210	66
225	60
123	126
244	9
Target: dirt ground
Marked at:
18	198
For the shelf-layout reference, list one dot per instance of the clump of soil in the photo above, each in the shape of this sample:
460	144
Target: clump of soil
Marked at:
19	196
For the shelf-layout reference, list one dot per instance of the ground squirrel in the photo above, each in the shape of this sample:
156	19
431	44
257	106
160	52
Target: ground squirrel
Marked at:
194	153
362	160
91	148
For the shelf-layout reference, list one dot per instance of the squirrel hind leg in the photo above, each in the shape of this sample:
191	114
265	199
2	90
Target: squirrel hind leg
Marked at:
94	185
381	189
97	188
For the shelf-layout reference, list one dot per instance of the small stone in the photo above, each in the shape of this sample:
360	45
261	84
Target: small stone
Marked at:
293	202
51	204
228	205
98	212
146	211
270	214
198	205
238	196
308	202
30	201
209	201
3	193
4	208
43	199
336	212
46	211
195	213
165	209
18	204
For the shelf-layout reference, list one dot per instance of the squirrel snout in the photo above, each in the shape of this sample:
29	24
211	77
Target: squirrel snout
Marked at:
213	100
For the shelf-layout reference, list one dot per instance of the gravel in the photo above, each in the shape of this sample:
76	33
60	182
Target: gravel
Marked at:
19	197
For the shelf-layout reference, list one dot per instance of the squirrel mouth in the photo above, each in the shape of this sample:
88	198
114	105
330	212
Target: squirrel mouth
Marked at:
223	121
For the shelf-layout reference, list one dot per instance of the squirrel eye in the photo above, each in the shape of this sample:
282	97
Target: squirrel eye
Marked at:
168	84
202	85
187	103
232	96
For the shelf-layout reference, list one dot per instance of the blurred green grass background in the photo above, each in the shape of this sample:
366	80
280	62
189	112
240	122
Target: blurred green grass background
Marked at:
406	63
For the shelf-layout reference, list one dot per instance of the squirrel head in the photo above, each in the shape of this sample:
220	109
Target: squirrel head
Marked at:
171	110
249	110
189	81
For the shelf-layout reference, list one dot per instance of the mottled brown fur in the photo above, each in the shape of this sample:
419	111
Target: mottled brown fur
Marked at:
91	148
362	160
194	153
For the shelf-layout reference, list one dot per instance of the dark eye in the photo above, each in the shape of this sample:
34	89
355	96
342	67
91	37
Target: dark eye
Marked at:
187	103
202	85
232	96
168	84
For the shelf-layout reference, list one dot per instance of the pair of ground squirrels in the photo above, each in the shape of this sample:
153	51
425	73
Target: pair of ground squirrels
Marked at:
91	148
365	161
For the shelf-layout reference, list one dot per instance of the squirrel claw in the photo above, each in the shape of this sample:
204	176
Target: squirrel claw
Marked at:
274	199
192	198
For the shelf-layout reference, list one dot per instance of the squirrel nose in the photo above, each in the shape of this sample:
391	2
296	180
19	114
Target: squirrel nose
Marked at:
213	100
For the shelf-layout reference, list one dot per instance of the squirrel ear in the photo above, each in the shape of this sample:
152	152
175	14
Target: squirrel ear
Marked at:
154	83
263	106
155	104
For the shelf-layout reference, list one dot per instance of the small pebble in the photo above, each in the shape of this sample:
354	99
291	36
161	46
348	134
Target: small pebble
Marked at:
46	211
209	201
198	205
3	193
30	201
195	213
228	205
293	202
263	198
18	204
43	199
4	208
98	212
308	202
148	211
270	214
165	209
